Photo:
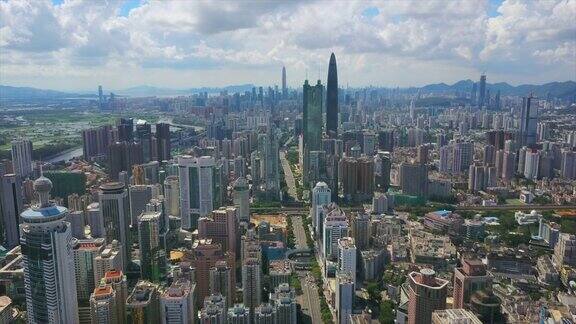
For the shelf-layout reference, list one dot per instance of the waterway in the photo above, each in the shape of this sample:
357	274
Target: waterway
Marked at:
66	155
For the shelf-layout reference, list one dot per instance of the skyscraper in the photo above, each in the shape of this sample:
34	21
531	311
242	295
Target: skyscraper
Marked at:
22	157
49	274
528	121
482	95
163	141
242	199
426	293
11	206
332	99
284	89
114	211
196	188
312	124
152	256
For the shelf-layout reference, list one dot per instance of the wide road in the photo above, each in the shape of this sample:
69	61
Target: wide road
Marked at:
311	297
290	182
299	232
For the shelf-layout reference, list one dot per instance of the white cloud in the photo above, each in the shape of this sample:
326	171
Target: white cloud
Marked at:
79	44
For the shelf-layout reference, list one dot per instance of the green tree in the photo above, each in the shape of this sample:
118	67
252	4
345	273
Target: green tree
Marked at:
386	312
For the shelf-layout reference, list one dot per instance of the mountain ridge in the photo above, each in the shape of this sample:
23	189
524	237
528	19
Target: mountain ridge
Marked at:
559	89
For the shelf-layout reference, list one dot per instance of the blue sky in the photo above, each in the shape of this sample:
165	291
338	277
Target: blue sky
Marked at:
76	45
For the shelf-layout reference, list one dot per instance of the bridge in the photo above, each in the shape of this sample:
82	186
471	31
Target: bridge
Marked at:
301	258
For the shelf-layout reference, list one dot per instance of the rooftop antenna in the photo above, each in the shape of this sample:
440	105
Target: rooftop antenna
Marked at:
306	74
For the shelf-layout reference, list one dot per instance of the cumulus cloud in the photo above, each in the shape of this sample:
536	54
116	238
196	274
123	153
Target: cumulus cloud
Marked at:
376	42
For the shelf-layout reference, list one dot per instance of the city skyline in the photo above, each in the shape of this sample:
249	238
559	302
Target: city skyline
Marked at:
76	46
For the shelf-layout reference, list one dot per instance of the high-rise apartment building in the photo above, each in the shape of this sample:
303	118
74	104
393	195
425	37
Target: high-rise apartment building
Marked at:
238	314
221	281
103	301
177	304
109	258
117	280
565	250
414	179
172	196
143	304
214	310
205	254
196	188
347	257
221	227
241	197
426	293
22	157
49	272
284	299
344	302
252	283
85	252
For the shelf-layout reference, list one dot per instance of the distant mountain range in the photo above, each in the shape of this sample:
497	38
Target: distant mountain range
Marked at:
566	89
8	92
146	91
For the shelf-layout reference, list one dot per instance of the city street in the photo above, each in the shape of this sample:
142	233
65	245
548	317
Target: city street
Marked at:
311	297
299	232
290	182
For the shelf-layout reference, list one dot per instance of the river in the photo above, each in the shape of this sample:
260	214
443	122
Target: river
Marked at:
66	155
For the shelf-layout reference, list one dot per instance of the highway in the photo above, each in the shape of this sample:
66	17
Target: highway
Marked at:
290	182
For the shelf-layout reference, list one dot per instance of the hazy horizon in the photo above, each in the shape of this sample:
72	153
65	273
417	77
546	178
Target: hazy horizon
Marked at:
77	45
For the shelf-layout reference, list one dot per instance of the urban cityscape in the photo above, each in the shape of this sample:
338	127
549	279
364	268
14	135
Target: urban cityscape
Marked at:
306	198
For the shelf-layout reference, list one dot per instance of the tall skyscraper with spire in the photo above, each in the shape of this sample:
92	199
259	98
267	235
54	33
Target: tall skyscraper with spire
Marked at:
332	99
49	272
284	89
